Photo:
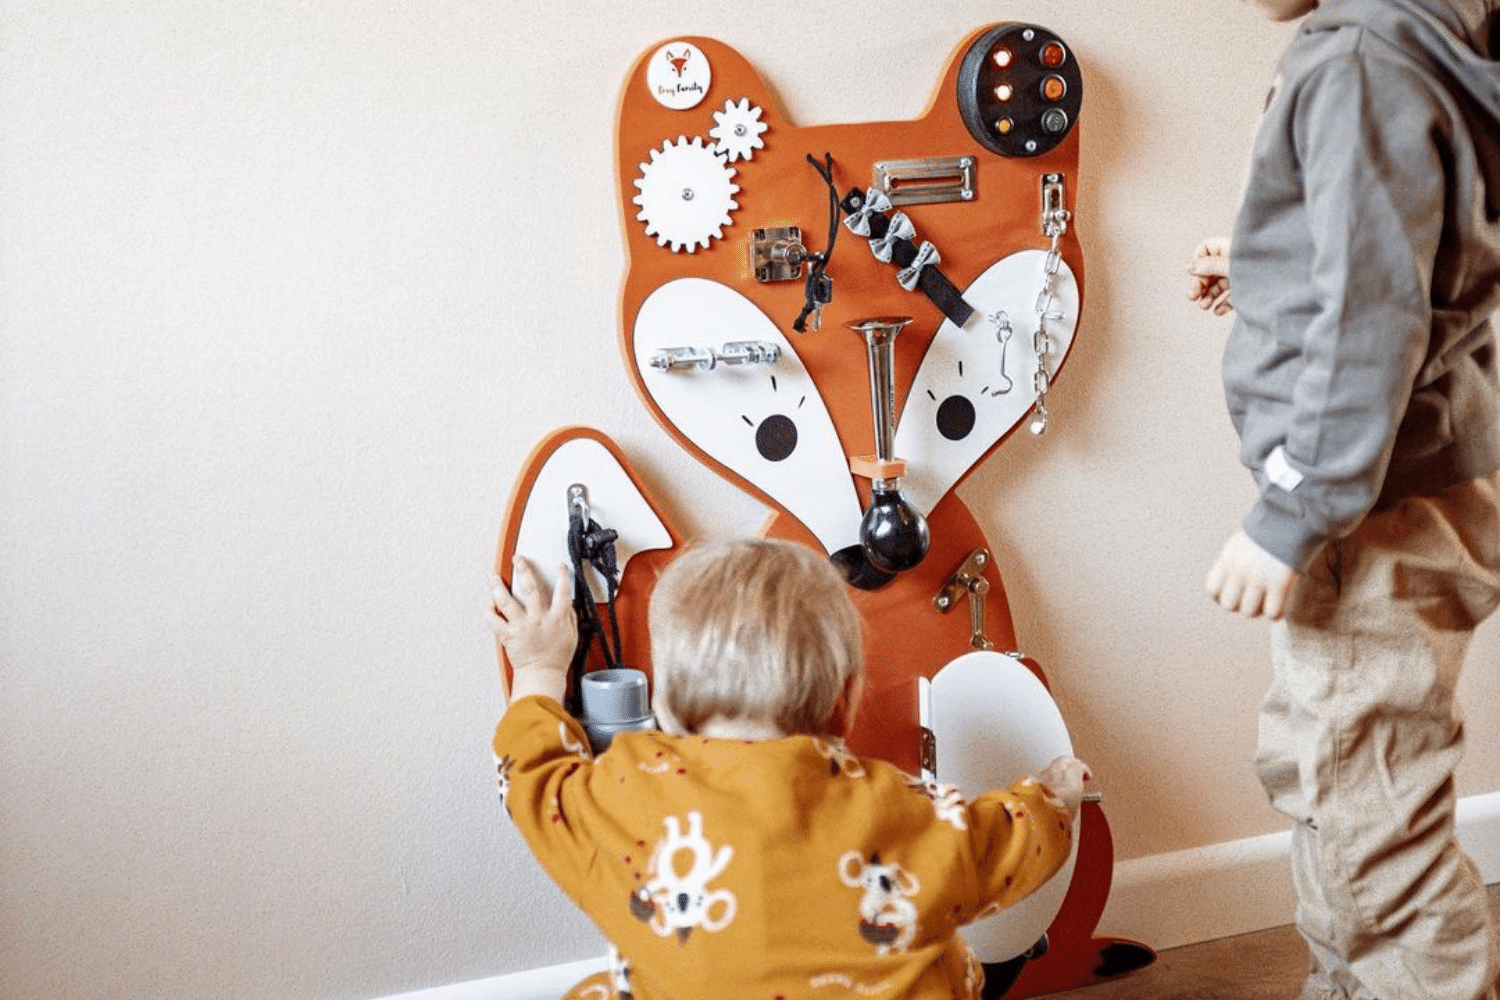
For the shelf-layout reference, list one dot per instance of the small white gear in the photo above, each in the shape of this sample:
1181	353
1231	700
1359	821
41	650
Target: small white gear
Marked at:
738	130
687	193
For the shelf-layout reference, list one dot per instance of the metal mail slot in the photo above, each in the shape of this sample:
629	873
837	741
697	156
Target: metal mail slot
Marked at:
921	182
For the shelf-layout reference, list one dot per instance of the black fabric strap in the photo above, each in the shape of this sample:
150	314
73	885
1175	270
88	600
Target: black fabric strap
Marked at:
590	544
933	282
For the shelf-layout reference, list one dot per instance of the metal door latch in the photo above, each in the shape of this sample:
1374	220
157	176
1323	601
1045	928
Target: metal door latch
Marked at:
968	580
706	359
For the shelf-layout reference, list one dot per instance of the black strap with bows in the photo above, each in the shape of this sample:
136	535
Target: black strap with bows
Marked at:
891	240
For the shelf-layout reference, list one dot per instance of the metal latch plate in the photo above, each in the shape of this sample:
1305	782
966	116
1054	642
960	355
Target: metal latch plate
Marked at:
926	181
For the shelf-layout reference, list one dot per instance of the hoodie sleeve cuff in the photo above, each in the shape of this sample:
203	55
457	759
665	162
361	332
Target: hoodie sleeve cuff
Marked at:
1279	524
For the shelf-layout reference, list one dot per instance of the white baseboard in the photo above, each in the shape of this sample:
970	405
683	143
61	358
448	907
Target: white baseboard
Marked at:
1241	886
1163	901
1200	894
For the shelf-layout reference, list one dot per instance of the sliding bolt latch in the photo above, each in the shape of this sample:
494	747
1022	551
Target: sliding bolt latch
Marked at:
968	581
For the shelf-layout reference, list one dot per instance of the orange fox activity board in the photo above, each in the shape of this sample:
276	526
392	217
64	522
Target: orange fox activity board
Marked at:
845	320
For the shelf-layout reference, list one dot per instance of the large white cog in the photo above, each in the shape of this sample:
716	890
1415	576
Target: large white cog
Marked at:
738	130
687	193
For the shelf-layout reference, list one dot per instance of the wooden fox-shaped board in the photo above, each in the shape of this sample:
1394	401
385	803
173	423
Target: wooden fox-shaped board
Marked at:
753	248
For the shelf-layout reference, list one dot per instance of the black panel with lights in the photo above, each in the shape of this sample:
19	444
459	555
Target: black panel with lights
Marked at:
1019	90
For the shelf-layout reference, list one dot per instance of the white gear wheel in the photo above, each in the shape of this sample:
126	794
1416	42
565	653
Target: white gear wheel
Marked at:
687	193
738	130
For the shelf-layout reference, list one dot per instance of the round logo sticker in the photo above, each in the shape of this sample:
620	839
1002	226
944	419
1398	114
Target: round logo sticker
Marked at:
678	75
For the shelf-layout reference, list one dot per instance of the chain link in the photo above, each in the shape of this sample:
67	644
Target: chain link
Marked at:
1056	224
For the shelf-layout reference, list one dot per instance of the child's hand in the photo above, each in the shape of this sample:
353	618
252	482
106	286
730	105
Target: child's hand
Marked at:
539	632
1064	778
1248	580
1210	270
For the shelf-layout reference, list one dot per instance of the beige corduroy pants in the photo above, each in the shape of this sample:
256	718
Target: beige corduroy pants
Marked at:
1359	737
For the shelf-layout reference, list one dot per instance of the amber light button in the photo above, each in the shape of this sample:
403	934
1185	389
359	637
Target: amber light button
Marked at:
1054	87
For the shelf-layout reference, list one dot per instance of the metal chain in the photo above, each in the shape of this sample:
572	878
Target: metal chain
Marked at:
1055	225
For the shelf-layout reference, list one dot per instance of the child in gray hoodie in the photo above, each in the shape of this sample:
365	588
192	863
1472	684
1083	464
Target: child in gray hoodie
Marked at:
1361	376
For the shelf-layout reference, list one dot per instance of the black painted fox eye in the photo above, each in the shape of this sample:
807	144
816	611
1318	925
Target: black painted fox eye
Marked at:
776	438
955	418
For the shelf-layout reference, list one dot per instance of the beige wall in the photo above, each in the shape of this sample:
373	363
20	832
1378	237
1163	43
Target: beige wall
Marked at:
287	292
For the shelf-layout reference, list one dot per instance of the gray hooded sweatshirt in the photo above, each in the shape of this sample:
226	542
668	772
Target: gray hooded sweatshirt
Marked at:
1366	266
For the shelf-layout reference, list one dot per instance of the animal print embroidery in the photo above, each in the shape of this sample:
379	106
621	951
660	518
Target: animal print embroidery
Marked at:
887	917
947	801
570	745
676	901
661	765
973	973
849	983
619	974
503	767
840	760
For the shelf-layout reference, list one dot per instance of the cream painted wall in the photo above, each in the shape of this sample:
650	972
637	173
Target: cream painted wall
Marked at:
287	292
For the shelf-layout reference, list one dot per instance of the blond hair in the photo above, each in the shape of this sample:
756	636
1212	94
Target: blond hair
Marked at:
757	629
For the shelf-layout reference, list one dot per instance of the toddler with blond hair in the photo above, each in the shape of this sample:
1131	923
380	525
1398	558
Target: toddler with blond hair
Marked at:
742	850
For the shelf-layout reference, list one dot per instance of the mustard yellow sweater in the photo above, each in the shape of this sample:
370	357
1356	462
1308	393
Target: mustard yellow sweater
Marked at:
771	869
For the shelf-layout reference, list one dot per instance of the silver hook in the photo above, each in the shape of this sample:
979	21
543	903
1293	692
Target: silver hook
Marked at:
1003	333
578	501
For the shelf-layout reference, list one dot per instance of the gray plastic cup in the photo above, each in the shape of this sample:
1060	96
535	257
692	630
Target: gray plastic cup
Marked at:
614	701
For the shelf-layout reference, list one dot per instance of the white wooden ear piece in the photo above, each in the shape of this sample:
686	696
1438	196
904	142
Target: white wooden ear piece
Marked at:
976	383
993	722
766	423
613	498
